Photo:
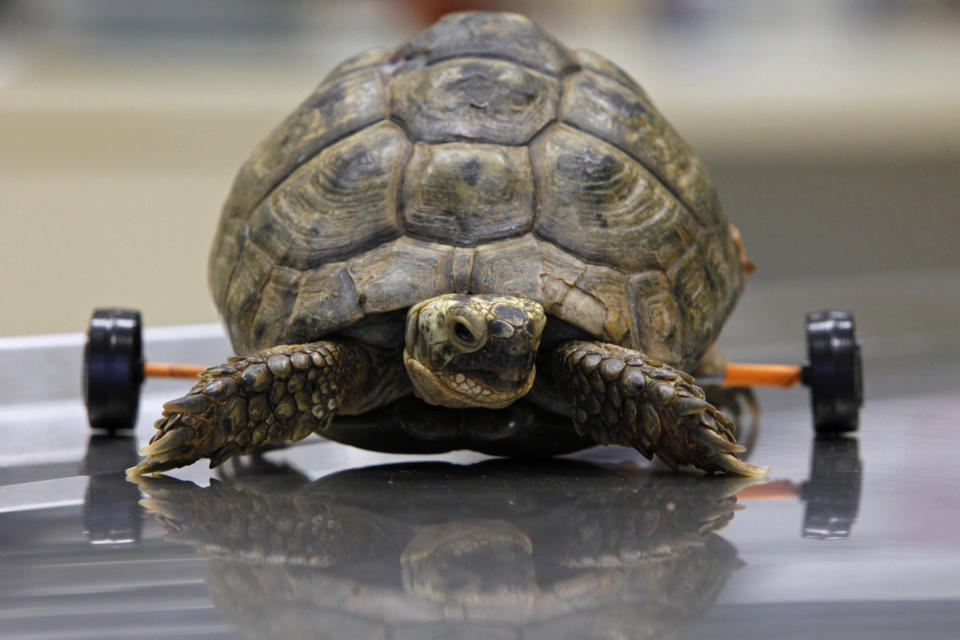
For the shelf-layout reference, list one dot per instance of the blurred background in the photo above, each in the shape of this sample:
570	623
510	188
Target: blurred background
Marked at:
832	128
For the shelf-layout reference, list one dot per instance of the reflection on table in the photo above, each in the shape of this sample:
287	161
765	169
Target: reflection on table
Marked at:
503	547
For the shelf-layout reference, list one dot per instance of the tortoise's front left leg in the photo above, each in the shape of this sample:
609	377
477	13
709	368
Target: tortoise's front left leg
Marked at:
619	396
282	394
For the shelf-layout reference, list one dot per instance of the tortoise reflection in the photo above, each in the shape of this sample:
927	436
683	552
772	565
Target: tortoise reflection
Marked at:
503	548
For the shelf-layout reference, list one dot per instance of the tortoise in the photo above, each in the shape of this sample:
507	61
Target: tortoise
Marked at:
478	215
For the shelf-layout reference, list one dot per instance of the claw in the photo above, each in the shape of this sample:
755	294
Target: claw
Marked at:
735	465
190	403
714	440
688	406
148	465
168	442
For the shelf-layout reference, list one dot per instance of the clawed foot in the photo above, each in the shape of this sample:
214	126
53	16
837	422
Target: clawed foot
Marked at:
620	397
280	395
703	436
192	427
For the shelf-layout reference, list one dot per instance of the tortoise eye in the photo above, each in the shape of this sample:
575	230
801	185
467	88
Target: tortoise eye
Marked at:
463	333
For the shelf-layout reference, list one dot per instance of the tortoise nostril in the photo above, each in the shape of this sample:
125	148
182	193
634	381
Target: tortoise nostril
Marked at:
463	333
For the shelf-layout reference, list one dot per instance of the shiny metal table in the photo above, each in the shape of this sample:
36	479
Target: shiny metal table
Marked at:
852	538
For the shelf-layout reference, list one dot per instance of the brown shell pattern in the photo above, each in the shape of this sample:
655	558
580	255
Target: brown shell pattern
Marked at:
482	156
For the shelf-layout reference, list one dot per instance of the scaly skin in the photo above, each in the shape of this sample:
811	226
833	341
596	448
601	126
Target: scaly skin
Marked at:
282	394
618	396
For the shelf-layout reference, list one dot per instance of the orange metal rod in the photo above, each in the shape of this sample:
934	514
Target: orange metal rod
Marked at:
767	375
736	374
171	370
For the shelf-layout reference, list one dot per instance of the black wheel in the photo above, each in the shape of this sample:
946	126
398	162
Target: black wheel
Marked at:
834	372
113	368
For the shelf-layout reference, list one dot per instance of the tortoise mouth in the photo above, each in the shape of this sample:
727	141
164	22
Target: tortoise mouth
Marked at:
493	380
466	388
481	388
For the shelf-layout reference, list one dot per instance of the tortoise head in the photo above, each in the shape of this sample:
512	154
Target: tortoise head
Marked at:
473	350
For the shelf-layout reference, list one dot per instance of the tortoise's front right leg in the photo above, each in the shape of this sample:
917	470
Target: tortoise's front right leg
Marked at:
619	396
278	395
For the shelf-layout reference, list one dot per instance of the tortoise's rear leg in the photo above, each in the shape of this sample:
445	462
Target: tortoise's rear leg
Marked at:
278	395
618	396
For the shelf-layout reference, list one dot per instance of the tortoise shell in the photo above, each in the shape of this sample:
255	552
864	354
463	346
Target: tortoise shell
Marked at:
481	156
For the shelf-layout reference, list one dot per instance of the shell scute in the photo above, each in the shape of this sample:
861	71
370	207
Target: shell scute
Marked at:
592	297
559	273
703	295
342	201
369	58
506	35
401	273
658	325
242	297
511	267
473	99
337	107
606	289
626	119
465	194
596	202
592	61
327	298
269	323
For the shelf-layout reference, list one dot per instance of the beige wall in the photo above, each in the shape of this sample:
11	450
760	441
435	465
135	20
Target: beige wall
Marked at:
110	196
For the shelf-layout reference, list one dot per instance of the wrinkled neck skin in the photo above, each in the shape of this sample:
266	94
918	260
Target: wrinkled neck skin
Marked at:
465	351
